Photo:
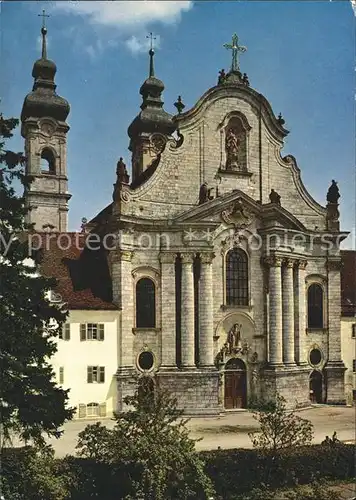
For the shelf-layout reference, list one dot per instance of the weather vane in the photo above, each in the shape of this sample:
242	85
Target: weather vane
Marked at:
151	37
236	48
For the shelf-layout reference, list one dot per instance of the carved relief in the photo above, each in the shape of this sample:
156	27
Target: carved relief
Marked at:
234	344
237	215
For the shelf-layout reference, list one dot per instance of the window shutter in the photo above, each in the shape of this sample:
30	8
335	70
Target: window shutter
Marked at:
90	375
67	331
102	410
101	331
83	332
61	374
354	365
354	330
102	374
61	334
82	413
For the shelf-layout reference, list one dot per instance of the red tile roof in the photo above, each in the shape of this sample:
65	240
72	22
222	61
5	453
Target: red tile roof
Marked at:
83	278
348	283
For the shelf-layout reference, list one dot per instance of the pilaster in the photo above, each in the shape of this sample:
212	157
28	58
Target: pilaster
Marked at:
121	274
300	312
168	301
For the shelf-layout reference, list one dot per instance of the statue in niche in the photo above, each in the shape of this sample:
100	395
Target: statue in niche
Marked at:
234	338
232	149
333	193
275	197
204	193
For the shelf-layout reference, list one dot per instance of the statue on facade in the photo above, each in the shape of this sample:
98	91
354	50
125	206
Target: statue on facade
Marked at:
222	77
232	150
332	212
333	193
234	338
245	80
204	193
275	197
121	172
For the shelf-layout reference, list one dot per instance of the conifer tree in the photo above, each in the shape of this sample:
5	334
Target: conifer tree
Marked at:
31	403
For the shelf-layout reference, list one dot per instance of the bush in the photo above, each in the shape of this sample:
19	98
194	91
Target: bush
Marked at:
237	472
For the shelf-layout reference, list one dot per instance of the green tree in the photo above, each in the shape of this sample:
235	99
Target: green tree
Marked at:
30	401
150	448
280	428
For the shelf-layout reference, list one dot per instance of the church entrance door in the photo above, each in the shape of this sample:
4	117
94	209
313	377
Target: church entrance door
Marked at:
316	387
235	384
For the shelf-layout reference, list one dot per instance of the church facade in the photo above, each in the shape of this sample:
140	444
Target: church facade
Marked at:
222	272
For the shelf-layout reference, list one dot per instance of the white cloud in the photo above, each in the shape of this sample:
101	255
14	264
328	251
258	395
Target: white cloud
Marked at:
138	45
128	13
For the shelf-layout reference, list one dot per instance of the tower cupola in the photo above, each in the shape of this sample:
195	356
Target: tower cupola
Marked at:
151	128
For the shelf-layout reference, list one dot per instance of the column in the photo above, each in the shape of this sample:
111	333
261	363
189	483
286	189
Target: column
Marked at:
168	308
187	311
122	283
206	326
300	312
275	311
288	312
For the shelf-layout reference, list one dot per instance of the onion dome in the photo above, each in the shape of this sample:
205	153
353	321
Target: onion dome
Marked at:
152	118
43	100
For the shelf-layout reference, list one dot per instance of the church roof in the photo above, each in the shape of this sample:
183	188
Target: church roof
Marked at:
83	278
348	283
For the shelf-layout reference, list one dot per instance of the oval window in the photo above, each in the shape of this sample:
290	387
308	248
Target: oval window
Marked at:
145	360
315	357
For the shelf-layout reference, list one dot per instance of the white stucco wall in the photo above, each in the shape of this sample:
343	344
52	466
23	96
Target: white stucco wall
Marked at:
75	356
348	352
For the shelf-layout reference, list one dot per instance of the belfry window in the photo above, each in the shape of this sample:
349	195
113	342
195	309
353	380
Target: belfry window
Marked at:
315	306
236	278
48	162
145	303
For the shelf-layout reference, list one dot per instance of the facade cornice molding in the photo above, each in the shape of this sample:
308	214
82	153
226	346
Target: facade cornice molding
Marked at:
255	99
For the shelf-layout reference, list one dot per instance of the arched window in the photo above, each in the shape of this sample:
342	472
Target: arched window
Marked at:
315	306
145	304
236	278
48	161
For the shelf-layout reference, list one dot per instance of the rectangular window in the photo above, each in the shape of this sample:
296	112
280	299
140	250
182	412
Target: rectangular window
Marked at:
61	375
354	365
96	374
64	334
353	331
92	331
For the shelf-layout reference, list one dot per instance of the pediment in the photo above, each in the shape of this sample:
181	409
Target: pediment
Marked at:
238	210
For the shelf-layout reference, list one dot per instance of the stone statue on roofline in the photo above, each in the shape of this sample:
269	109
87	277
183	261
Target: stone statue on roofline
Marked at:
275	197
204	193
121	172
333	193
332	212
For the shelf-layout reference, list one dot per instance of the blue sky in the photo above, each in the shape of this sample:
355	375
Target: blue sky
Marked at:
301	56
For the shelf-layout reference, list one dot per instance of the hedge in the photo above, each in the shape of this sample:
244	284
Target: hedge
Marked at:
234	472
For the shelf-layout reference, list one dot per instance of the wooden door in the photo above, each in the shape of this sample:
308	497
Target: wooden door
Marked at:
235	389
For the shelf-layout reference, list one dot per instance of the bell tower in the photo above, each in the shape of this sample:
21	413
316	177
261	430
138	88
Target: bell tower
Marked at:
44	128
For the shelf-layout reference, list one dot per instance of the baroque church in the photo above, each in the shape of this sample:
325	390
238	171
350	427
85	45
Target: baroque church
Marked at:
216	276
